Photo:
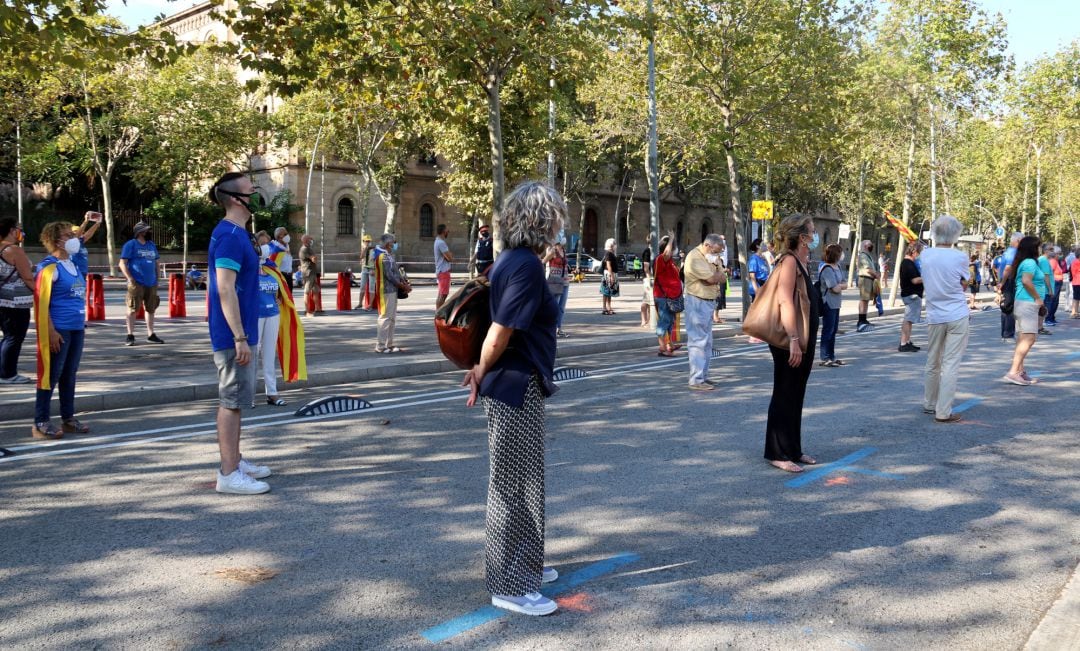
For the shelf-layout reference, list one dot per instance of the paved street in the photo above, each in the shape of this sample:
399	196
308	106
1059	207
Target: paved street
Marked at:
669	529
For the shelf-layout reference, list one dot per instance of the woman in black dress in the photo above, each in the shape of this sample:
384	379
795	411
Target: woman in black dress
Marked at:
795	239
609	267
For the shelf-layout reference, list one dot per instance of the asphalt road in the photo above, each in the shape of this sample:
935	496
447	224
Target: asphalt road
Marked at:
669	529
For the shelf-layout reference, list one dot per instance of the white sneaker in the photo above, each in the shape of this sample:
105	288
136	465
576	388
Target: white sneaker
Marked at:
550	575
15	379
253	471
237	483
533	603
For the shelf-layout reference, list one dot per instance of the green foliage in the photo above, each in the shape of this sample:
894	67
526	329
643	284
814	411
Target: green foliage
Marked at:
168	210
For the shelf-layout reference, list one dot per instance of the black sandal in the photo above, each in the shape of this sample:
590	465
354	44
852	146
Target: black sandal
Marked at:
275	401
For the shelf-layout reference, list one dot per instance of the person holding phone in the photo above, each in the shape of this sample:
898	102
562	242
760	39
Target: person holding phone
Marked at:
90	225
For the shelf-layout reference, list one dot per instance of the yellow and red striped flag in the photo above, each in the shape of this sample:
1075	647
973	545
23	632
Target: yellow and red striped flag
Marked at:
290	343
42	298
908	234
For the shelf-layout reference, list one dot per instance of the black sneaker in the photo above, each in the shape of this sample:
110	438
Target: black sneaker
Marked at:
130	341
908	348
154	339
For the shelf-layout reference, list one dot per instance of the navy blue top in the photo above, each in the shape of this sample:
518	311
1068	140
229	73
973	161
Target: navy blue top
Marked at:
520	299
231	247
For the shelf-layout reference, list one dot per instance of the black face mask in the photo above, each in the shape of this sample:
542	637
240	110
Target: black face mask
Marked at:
237	195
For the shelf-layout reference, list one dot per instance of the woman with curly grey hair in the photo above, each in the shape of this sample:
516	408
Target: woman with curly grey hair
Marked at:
513	378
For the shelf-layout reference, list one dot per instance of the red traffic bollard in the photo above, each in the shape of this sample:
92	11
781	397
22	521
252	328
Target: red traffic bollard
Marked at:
95	298
177	299
344	291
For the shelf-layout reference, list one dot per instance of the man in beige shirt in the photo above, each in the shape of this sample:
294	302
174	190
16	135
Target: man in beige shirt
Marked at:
704	275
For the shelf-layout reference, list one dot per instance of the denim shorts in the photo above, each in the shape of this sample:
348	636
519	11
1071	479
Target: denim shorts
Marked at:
912	308
236	384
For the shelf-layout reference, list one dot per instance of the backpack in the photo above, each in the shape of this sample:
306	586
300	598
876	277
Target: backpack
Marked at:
463	321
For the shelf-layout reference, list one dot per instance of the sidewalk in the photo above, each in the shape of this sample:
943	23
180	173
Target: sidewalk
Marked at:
340	347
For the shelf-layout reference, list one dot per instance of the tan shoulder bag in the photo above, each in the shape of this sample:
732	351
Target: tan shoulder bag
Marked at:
763	318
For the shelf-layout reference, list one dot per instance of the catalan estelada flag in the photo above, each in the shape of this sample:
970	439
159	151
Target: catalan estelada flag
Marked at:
908	234
42	298
290	342
380	279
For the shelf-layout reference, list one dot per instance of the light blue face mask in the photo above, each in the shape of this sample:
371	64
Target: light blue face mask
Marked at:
394	248
814	243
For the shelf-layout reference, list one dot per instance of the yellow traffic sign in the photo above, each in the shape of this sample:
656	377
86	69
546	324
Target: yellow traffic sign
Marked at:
761	210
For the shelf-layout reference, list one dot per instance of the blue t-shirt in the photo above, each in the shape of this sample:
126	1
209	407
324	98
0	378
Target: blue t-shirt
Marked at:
1004	260
520	299
231	247
82	259
1038	277
1048	281
67	303
760	269
140	261
268	291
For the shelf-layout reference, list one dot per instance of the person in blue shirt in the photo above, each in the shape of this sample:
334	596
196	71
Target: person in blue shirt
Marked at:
757	267
195	279
1005	271
139	264
514	377
1051	287
1029	307
233	300
91	223
60	314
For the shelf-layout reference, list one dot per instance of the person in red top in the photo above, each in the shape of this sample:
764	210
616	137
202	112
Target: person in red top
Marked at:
1074	278
666	285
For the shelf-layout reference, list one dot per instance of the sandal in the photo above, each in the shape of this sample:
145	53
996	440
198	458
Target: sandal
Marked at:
275	401
46	431
392	349
675	347
665	353
786	466
808	460
73	426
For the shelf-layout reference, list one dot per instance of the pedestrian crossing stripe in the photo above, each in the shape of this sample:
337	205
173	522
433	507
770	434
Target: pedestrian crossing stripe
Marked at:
332	405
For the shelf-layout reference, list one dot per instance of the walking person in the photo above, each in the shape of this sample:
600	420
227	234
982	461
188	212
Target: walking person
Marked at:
666	286
443	263
868	283
513	378
558	280
388	281
796	237
831	278
233	320
367	279
1005	273
16	299
703	277
60	318
139	264
1030	303
911	294
609	284
945	275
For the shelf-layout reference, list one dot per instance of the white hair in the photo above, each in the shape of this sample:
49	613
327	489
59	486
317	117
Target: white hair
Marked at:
1016	237
946	230
712	239
532	216
609	245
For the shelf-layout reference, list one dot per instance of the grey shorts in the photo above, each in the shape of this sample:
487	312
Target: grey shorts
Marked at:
912	308
1026	314
236	384
866	288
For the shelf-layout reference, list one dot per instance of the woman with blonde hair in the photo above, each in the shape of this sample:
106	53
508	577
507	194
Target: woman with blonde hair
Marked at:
796	237
60	317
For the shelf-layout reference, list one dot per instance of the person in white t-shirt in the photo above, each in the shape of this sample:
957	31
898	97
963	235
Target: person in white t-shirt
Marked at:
945	274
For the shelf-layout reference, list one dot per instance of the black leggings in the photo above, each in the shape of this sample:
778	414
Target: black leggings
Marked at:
783	434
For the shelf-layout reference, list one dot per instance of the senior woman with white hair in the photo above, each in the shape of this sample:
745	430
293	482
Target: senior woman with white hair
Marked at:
514	377
945	274
609	267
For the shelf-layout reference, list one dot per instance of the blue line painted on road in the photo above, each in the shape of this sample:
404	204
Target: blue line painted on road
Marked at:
820	471
965	405
1073	355
875	473
486	614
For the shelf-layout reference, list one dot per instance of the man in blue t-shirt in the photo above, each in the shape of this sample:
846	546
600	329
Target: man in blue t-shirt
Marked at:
233	300
139	264
1005	271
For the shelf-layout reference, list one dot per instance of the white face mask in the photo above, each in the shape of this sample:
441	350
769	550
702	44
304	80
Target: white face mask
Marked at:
712	258
72	246
264	252
286	238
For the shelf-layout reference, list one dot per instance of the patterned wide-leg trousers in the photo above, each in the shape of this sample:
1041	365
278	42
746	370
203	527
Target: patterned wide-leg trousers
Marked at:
514	551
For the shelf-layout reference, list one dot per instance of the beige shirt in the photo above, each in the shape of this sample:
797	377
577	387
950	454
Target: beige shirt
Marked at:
698	269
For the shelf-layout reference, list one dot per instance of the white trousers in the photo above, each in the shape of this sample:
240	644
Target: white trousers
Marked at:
948	341
268	334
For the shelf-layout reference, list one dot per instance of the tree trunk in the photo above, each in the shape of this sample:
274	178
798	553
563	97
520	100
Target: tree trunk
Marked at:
498	169
365	199
581	232
187	204
391	215
652	171
741	229
307	190
1027	186
106	205
933	167
1038	191
322	215
853	263
908	183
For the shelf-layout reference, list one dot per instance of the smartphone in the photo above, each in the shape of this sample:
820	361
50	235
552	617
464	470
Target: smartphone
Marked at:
94	216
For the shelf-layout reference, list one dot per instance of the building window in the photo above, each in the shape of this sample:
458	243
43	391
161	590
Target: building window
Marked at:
345	217
427	221
624	228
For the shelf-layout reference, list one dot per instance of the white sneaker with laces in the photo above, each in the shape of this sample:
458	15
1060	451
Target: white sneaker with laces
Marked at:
238	483
253	471
550	575
533	603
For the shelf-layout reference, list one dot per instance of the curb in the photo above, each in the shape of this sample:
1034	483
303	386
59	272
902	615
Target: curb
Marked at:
1058	629
24	409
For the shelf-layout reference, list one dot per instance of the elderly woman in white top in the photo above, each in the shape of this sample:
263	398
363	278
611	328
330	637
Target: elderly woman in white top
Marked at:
945	275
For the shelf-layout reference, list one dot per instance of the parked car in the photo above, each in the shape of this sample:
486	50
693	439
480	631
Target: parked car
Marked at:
626	262
589	264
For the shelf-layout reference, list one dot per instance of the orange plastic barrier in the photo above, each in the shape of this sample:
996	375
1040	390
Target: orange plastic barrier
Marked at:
177	298
344	291
95	298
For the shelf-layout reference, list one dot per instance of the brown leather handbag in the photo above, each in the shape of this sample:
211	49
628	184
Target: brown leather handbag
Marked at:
463	321
763	318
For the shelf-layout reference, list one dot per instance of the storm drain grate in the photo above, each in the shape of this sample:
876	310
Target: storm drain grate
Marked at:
332	405
569	373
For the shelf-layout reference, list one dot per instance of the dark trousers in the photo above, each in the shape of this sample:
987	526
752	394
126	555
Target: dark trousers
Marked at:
1008	326
783	433
1052	301
830	323
14	321
62	369
721	298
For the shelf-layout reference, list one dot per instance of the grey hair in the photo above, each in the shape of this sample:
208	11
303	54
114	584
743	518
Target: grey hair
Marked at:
386	238
946	230
1047	247
280	231
531	217
712	239
609	245
1016	237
